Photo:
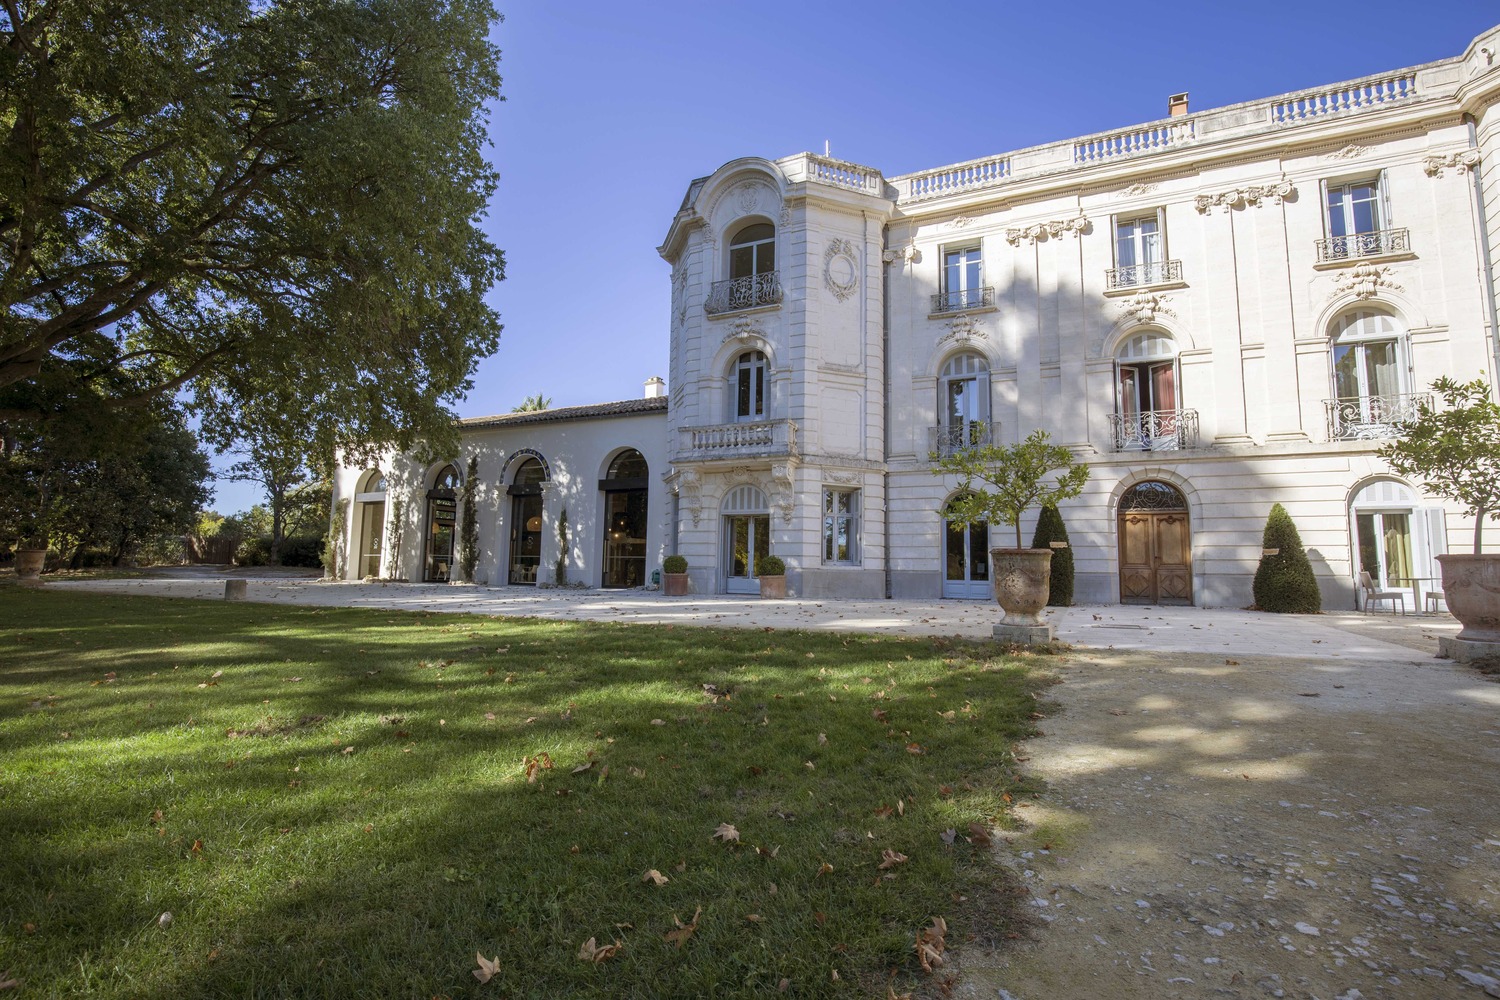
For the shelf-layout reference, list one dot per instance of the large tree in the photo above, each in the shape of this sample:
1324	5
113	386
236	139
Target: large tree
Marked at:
224	193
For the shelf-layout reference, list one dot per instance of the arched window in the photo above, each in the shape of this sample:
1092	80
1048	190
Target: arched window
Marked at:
628	464
529	473
626	491
753	280
747	387
1369	376
372	482
525	492
963	404
442	517
1148	412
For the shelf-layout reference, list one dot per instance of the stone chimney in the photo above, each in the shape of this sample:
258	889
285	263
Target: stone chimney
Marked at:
655	387
1177	105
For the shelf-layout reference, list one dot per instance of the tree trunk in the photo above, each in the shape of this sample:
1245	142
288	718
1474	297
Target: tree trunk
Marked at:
1479	529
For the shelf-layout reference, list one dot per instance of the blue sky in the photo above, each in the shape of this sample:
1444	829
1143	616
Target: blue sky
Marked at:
612	109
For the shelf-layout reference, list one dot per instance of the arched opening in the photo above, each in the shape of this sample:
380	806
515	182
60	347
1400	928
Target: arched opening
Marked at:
1397	540
370	523
1370	387
747	387
525	492
966	559
442	515
626	488
747	537
1156	551
963	404
1148	409
753	280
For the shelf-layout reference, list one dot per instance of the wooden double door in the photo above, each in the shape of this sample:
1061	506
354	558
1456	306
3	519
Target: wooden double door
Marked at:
1156	558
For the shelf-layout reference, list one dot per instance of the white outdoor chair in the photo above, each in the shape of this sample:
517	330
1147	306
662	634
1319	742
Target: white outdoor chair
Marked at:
1432	598
1372	595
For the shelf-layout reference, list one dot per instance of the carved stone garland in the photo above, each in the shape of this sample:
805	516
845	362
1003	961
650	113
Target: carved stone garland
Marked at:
963	331
1253	195
1052	229
1146	307
841	268
1366	281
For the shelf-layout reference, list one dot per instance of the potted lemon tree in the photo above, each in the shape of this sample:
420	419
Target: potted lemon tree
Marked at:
998	484
1456	453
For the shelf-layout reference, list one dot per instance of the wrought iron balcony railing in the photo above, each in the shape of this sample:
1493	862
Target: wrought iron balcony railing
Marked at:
1156	272
1155	430
964	298
1356	245
1369	418
752	438
749	292
945	439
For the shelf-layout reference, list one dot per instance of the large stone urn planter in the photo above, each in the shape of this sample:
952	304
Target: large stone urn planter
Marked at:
29	564
1022	579
1471	588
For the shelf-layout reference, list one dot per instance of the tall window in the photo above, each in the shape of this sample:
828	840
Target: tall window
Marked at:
1149	414
1369	376
963	403
442	513
749	386
1140	251
1357	222
752	251
841	526
963	279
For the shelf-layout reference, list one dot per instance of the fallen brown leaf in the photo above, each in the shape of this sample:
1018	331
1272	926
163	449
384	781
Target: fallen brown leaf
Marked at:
890	859
930	944
979	836
726	832
683	931
487	968
589	951
655	876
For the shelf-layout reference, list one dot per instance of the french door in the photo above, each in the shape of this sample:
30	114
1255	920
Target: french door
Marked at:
747	537
966	561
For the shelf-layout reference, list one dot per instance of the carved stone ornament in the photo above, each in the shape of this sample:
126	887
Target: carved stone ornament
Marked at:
963	332
844	478
1253	195
960	222
841	268
749	197
1136	190
1146	307
679	291
1353	151
786	215
1366	281
1052	229
908	254
784	497
1461	161
688	487
746	331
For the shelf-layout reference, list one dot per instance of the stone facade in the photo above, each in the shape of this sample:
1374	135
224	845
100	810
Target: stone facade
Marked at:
1216	312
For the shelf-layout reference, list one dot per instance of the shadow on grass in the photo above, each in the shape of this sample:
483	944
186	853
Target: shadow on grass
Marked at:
344	809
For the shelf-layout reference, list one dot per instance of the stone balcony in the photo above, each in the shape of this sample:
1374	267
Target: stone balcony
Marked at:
751	439
1372	418
1155	430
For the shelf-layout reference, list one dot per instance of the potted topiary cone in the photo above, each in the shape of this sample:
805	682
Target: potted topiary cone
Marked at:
674	578
772	573
1456	453
1014	481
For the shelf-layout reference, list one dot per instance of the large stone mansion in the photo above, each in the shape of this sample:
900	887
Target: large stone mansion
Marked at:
1215	311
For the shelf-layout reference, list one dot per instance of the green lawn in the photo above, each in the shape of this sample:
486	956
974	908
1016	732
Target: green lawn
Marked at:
335	803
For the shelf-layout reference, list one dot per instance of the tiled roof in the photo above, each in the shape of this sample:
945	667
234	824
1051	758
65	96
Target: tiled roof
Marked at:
625	407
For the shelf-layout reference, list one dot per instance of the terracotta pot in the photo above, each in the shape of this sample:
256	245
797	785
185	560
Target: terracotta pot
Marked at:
674	584
1022	580
1471	588
773	586
29	563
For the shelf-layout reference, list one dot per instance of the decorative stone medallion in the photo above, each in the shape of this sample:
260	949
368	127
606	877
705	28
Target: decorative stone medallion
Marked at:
841	268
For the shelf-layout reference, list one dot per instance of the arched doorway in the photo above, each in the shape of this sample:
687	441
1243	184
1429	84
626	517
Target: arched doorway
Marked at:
370	524
966	560
747	537
525	492
1156	552
1396	539
442	513
626	488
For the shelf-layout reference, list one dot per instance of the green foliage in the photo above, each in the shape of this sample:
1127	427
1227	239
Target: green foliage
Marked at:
770	566
674	564
393	891
468	532
1013	478
533	403
1049	529
335	542
239	195
562	549
395	534
1456	451
1284	582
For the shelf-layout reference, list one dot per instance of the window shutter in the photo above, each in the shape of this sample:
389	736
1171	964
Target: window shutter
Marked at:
1383	182
1161	238
1323	208
1437	531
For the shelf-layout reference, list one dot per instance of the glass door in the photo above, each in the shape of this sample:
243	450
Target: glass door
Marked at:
625	538
525	538
1385	550
747	537
966	561
371	534
441	515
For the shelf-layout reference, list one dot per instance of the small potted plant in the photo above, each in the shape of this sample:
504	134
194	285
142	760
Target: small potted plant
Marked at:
1456	453
1013	481
674	578
772	573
